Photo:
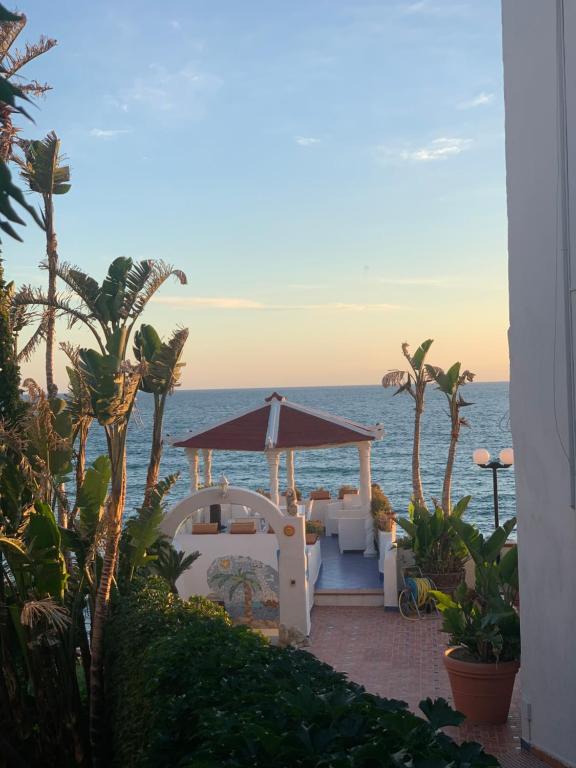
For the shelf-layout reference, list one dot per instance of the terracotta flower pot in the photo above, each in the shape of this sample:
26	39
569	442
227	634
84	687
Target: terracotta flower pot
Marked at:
447	582
311	538
482	692
320	495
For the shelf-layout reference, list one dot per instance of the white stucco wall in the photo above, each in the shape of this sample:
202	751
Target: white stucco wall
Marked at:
546	523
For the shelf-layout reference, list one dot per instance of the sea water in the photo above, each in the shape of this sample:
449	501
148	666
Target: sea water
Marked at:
193	410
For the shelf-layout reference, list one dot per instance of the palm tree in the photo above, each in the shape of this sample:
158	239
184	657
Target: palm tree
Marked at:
43	171
449	383
109	311
162	374
244	579
413	382
11	63
171	563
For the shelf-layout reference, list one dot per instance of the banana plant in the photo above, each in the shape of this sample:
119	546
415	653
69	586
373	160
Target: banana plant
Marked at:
80	409
38	643
161	376
437	547
450	383
43	170
413	382
484	620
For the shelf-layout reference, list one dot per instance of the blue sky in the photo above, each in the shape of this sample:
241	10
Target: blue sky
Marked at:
329	174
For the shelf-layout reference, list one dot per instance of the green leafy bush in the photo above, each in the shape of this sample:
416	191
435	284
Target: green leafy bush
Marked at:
483	621
188	689
436	545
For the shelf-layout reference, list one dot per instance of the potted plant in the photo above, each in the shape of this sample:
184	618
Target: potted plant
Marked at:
382	512
314	529
347	490
297	491
438	549
484	628
320	494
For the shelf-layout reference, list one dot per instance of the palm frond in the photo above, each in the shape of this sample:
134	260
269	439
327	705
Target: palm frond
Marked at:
42	167
163	366
136	280
159	274
394	378
35	297
46	614
9	31
84	286
18	59
33	342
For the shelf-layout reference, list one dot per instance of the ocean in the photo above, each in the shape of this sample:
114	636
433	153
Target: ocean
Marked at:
192	410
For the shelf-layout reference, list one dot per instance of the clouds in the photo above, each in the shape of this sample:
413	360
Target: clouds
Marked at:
109	133
441	8
306	141
441	148
481	100
425	282
184	90
236	303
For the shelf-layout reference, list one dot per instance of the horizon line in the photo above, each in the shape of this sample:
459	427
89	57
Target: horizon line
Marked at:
277	388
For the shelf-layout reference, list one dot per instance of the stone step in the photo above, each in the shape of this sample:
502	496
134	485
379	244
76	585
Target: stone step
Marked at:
349	597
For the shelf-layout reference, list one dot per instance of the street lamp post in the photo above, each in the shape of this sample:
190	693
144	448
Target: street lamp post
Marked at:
481	458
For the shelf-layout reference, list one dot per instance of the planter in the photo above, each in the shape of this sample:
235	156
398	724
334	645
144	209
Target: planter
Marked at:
482	692
247	527
347	492
311	538
204	528
320	495
446	582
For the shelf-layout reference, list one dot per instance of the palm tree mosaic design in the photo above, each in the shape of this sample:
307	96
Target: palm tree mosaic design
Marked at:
248	588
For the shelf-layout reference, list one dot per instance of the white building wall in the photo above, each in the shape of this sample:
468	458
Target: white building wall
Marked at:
538	387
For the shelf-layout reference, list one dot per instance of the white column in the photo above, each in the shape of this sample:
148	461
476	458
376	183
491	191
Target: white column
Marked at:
192	454
207	458
273	458
366	496
365	478
290	469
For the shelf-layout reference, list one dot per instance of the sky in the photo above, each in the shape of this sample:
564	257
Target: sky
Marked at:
328	173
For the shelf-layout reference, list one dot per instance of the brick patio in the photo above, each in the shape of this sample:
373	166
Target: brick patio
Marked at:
402	659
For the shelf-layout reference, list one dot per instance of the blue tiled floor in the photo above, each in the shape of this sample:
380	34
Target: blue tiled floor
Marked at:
348	571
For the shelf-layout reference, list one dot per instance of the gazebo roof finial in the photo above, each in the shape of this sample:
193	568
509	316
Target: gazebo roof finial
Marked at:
275	396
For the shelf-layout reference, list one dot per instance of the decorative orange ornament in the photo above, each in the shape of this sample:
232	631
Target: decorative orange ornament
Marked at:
289	530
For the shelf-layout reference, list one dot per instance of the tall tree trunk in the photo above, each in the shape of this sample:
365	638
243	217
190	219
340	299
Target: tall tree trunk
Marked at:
248	603
155	449
80	464
117	444
52	254
447	487
416	479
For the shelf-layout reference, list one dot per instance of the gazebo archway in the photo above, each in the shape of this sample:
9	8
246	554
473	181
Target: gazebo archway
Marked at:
293	594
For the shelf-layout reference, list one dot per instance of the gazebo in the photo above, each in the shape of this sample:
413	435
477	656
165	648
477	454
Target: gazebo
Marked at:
280	426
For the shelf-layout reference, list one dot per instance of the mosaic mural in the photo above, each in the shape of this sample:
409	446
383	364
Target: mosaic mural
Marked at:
247	587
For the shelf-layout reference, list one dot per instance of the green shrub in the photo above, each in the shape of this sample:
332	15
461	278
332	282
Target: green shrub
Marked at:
185	688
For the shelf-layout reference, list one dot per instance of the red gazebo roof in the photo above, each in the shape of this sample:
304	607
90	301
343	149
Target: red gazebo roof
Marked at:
280	424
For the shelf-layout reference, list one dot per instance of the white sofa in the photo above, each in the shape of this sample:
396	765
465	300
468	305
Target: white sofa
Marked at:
351	533
349	507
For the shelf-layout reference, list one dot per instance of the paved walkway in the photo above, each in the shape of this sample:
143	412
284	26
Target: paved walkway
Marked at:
402	659
350	570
